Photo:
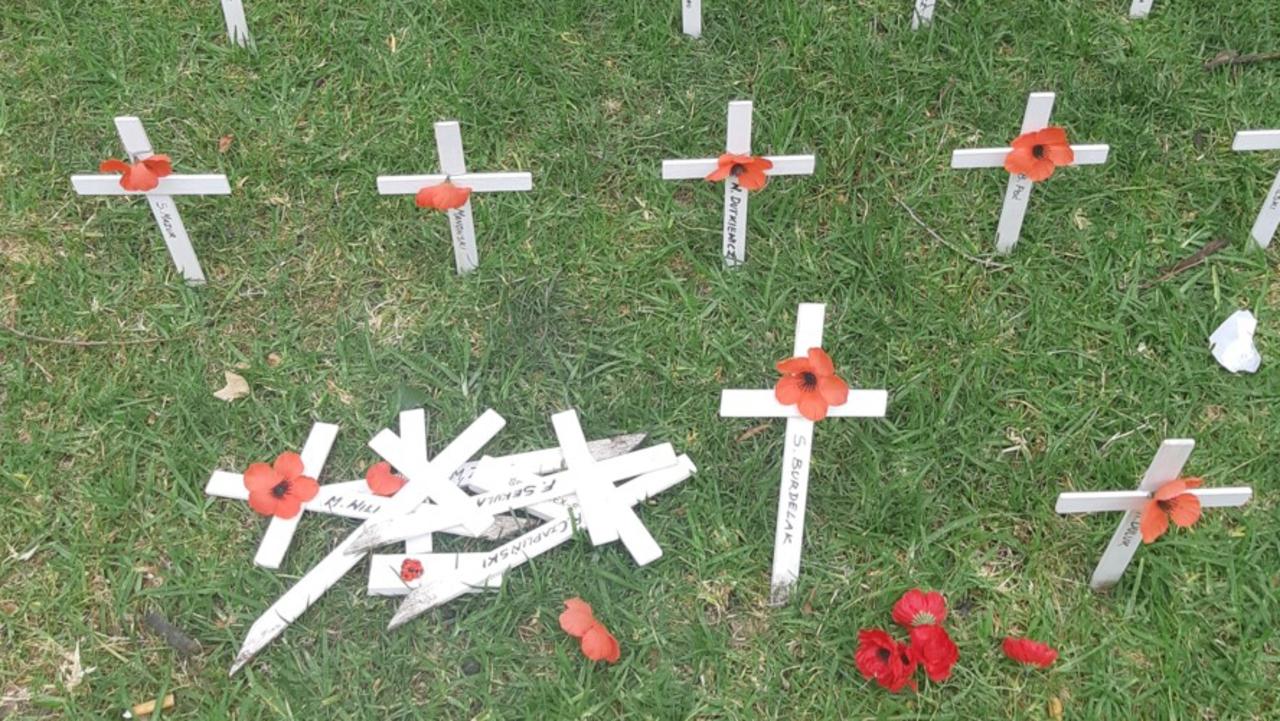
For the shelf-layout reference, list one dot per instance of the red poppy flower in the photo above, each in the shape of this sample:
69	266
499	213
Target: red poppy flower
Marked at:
444	196
382	481
143	175
811	384
889	663
1032	653
1170	502
579	621
934	649
917	608
410	570
748	169
279	489
1037	154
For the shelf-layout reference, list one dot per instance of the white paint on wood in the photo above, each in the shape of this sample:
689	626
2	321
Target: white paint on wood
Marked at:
385	580
137	146
1098	501
699	168
763	404
691	17
1140	8
922	15
1268	220
994	157
237	26
275	542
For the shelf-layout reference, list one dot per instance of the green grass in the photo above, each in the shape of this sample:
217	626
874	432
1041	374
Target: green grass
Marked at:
603	290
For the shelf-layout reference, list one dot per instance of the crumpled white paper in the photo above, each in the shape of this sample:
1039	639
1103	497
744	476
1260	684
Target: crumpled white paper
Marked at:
1232	343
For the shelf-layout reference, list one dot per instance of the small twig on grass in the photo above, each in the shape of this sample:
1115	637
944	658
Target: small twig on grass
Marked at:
83	343
1187	263
1233	58
993	265
175	637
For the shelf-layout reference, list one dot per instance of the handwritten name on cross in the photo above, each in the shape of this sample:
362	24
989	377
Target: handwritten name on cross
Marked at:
1264	228
137	146
789	534
1140	8
922	16
1039	108
237	26
691	16
738	142
453	167
1165	467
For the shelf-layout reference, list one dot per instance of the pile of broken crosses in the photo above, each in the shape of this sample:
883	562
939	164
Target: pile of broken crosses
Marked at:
567	488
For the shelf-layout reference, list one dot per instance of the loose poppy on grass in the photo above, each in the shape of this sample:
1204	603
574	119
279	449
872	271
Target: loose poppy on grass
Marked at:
279	489
443	196
918	608
410	569
141	176
884	660
579	621
1032	653
1170	502
933	648
811	384
1037	154
748	169
382	481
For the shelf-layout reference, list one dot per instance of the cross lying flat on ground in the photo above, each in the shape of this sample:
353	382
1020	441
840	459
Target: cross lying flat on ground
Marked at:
138	147
738	142
922	16
691	17
1166	466
789	535
453	167
1264	228
1140	8
1039	108
237	26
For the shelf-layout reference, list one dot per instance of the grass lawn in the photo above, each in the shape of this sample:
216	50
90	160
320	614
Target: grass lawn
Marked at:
1011	379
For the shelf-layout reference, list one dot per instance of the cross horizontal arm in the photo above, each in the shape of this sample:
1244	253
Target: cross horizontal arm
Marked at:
763	404
169	185
994	157
1257	140
702	167
1093	502
477	182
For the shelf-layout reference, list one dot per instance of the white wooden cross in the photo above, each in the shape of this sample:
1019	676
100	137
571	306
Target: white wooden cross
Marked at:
137	146
1264	228
691	14
237	27
1039	108
453	167
923	14
1140	8
789	535
734	246
1165	467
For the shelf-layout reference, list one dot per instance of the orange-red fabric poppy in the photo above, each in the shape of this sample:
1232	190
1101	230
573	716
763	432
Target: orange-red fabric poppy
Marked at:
279	489
1027	651
382	480
920	608
1037	154
443	196
748	169
1170	502
810	383
141	176
579	621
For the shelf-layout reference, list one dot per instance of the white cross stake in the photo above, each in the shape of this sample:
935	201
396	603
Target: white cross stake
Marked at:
789	535
137	146
691	15
237	27
1264	228
1167	466
1140	8
734	247
923	14
453	167
1039	108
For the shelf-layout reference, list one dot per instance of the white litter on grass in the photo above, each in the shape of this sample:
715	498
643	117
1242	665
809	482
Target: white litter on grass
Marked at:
1232	343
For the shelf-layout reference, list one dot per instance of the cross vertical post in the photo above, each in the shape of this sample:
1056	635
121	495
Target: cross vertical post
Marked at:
1264	228
1140	8
280	531
691	17
237	26
922	16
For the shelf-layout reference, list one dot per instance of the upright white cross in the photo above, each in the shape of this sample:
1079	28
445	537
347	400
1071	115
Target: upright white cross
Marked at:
237	27
691	14
1165	467
923	14
789	534
1140	8
734	247
137	146
1039	108
1264	228
453	167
